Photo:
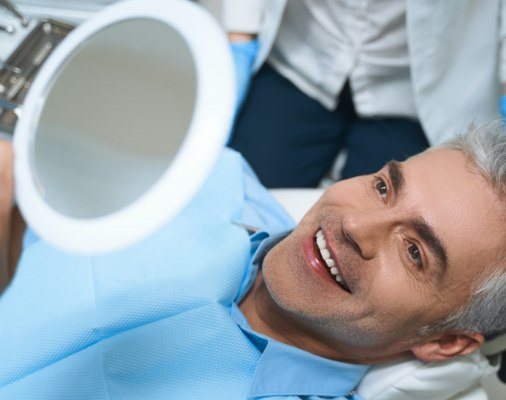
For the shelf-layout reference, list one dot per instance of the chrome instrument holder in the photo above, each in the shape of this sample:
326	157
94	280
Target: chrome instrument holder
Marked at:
36	39
8	5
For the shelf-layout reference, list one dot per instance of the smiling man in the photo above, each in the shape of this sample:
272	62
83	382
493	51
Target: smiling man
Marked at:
382	258
407	262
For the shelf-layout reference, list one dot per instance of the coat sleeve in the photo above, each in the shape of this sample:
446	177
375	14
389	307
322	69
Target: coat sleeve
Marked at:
243	15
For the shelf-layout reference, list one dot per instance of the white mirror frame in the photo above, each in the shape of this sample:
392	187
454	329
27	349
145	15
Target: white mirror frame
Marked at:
206	136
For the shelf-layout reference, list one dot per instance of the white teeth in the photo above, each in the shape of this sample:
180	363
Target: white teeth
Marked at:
322	245
325	254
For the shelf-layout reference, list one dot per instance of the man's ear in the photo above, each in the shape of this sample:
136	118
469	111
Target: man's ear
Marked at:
448	345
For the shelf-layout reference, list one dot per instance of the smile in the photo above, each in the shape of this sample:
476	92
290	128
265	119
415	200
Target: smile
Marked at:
331	264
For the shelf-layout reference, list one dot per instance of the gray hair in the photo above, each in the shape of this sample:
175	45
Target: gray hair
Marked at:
485	313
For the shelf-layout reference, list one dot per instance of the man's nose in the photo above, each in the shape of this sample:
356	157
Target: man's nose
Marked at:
367	230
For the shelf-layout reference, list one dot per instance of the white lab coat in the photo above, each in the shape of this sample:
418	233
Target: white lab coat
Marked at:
457	56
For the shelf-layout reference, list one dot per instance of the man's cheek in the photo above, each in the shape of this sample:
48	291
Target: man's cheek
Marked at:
311	220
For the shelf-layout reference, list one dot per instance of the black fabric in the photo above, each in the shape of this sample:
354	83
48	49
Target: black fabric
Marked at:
502	371
291	140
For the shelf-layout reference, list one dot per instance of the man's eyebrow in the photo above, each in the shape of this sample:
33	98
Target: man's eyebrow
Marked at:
396	176
421	227
436	246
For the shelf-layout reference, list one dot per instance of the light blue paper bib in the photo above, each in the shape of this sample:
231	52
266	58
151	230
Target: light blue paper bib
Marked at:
151	322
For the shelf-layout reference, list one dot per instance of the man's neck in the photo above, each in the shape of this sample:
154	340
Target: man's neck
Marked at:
261	316
267	318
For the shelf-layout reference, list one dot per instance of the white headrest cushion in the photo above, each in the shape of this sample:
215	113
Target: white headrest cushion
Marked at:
414	379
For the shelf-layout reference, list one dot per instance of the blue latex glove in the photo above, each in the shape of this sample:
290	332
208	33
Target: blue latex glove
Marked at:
244	54
502	107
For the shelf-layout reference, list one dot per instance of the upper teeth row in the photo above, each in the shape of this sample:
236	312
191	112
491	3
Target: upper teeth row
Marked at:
322	245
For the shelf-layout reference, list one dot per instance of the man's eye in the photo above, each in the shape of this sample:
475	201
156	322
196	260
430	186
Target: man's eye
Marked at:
414	254
381	187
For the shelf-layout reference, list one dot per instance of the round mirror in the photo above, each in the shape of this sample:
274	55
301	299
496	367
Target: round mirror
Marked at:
114	118
123	124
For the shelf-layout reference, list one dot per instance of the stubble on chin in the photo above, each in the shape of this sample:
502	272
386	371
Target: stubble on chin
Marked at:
300	303
280	277
285	287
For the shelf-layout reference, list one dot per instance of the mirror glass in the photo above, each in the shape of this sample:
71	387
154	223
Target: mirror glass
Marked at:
114	117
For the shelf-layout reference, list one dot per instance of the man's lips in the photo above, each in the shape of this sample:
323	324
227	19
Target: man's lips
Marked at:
319	259
314	262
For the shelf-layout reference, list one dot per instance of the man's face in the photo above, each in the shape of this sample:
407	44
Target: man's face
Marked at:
408	243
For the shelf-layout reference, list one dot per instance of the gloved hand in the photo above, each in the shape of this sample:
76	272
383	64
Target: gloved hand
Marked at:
244	54
502	107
